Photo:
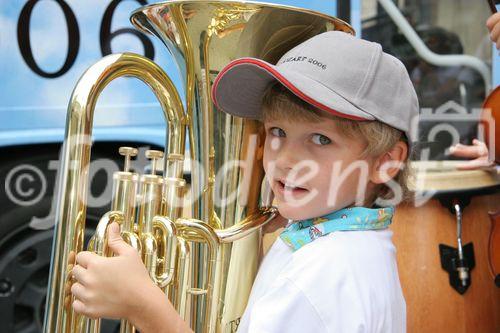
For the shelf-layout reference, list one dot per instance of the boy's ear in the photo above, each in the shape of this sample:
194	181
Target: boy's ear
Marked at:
388	165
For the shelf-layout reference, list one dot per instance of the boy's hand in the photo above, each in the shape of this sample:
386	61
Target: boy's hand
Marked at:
112	287
478	151
493	24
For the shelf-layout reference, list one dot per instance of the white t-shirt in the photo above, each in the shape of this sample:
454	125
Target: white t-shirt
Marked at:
344	282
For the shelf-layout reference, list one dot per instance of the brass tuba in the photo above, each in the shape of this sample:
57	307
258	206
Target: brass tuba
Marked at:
205	262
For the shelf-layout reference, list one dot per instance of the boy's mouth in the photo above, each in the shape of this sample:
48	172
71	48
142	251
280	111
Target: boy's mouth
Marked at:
290	188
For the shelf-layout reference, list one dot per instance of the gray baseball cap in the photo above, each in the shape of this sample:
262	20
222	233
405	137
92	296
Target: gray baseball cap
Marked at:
333	71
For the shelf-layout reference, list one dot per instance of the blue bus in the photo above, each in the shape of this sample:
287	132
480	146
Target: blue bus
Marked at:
46	46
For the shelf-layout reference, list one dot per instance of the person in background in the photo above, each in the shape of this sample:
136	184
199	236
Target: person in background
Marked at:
478	151
493	25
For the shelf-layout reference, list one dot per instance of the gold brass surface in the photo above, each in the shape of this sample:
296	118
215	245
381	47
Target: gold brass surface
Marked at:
206	262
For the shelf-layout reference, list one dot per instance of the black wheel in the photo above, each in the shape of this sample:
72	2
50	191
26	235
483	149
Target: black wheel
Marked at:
23	284
25	251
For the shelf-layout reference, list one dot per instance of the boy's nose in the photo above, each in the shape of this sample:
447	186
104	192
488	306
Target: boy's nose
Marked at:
288	156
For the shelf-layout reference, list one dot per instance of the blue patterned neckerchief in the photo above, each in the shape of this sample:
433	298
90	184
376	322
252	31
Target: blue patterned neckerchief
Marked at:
300	233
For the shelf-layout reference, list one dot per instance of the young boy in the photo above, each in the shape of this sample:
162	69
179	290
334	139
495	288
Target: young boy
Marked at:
330	103
352	105
337	111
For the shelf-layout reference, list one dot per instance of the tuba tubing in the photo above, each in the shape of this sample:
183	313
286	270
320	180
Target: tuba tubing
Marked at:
71	215
70	218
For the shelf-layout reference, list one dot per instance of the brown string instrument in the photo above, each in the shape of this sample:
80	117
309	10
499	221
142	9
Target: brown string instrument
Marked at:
492	105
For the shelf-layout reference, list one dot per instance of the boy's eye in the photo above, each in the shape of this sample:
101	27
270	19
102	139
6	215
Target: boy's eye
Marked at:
276	131
320	139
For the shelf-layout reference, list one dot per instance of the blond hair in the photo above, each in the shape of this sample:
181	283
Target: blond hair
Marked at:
278	102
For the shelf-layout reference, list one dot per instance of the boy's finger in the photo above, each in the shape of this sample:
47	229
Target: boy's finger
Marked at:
78	291
80	274
115	240
84	258
84	309
78	306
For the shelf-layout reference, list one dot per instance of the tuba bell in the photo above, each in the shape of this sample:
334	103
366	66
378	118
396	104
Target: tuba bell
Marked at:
205	261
